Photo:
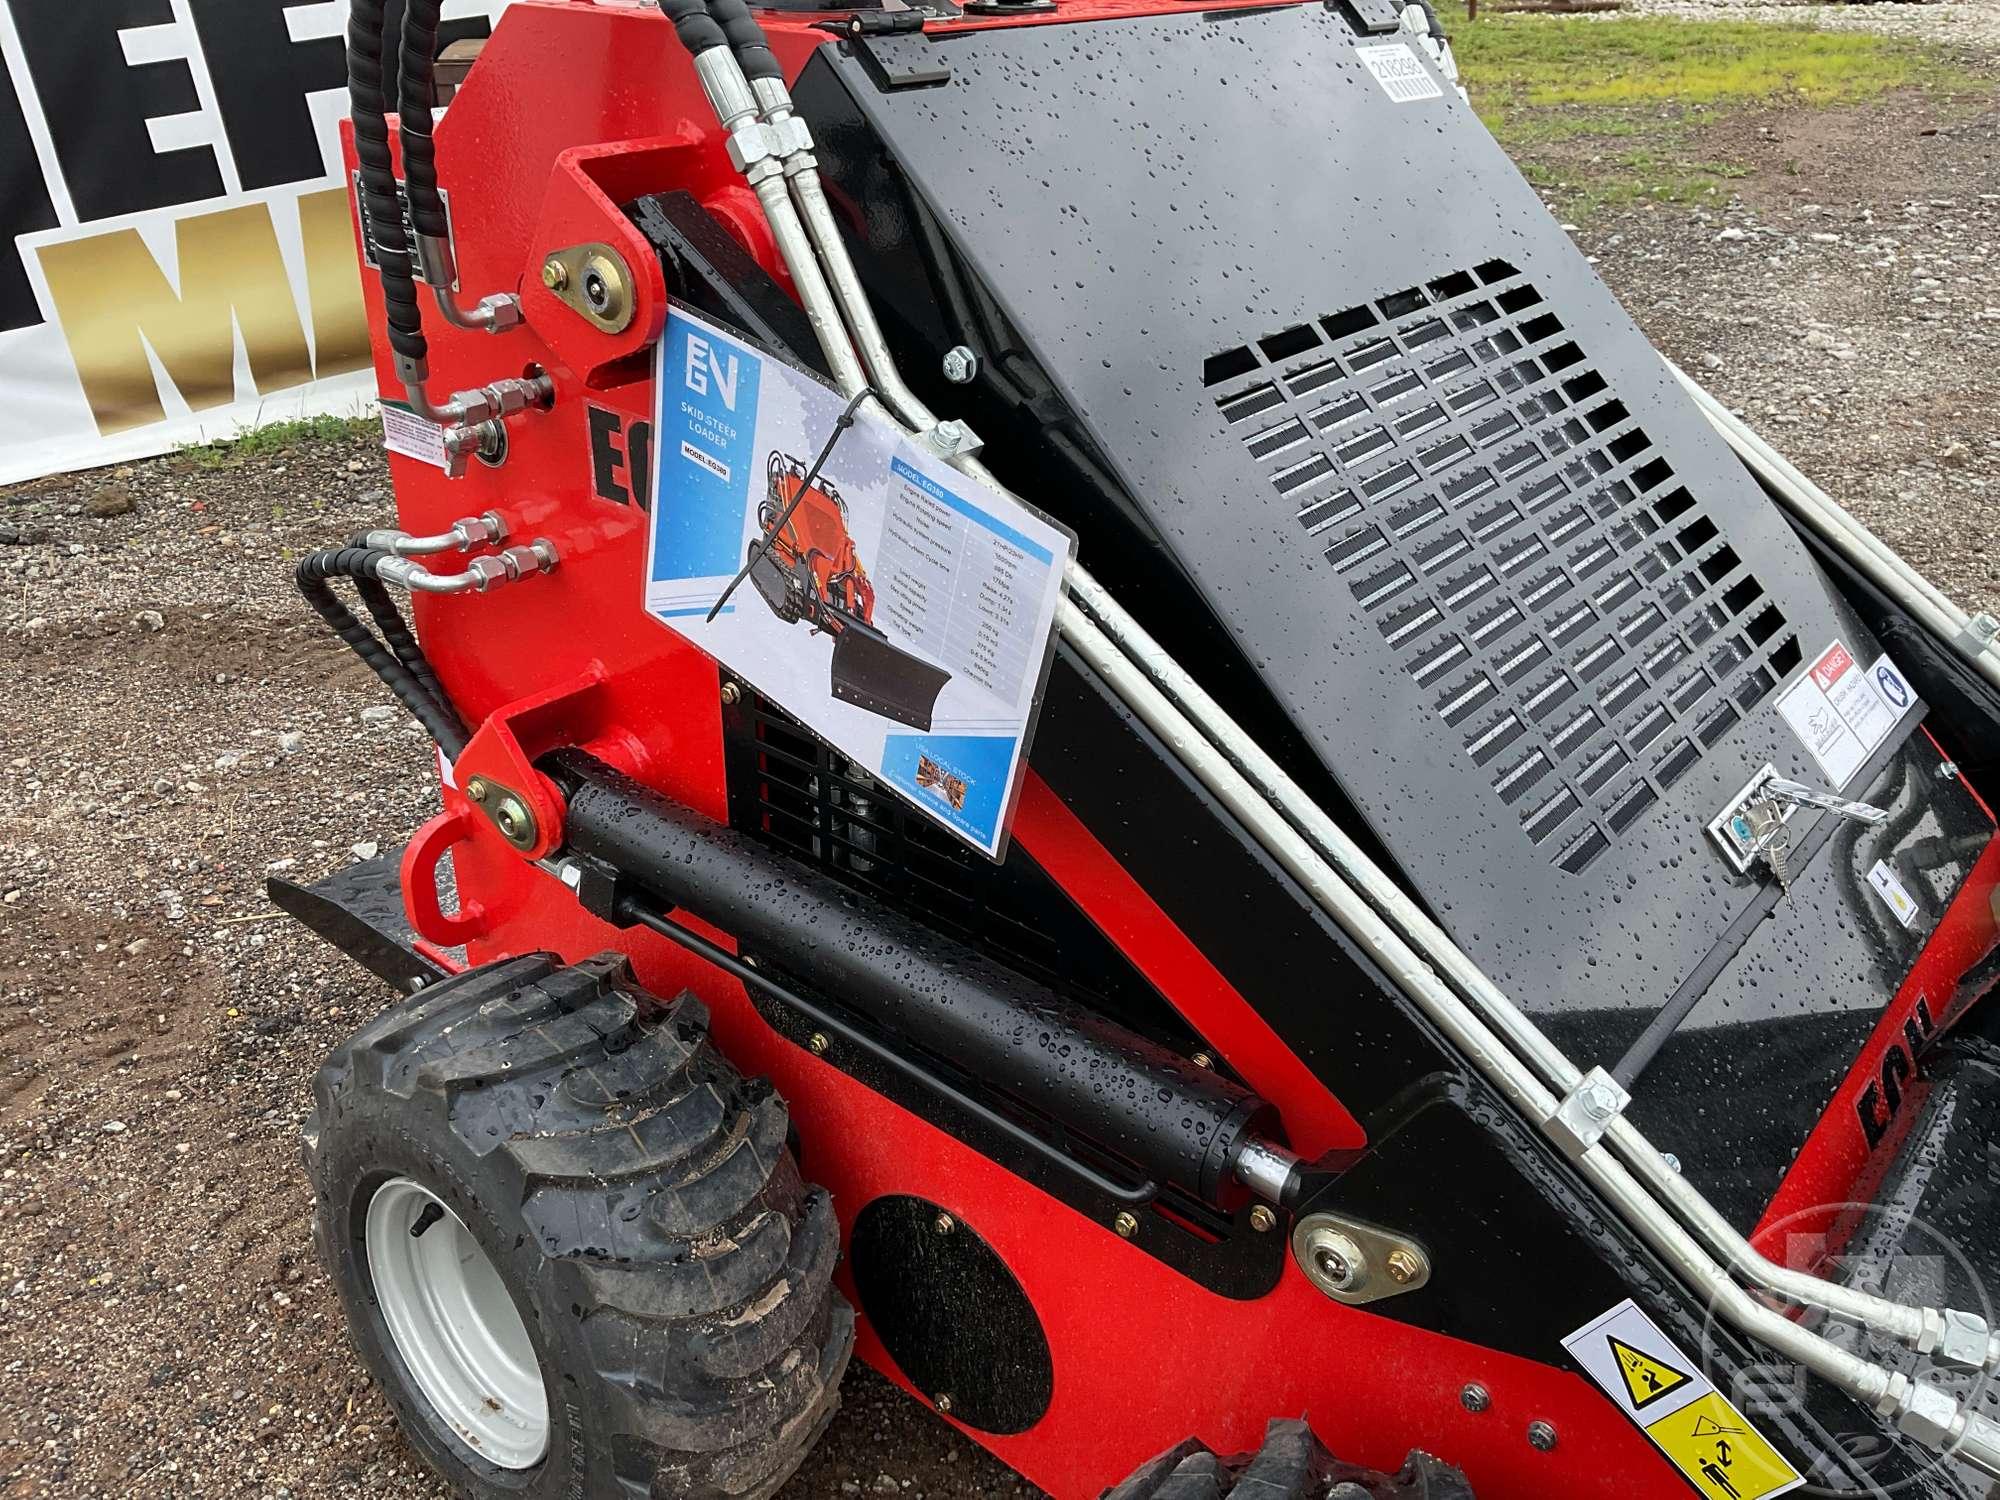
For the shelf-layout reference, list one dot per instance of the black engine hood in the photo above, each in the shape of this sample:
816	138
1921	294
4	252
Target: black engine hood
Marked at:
1499	582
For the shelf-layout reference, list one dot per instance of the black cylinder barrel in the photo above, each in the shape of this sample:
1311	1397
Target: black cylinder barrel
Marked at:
1176	1121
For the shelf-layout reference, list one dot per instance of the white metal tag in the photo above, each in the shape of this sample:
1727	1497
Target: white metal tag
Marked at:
404	432
1403	78
1893	894
1841	711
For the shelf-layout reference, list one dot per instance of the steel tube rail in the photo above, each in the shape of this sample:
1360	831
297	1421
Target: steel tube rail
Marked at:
1512	1071
1872	556
1416	928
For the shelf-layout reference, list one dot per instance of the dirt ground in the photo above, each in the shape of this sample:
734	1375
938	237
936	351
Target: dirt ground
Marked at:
172	728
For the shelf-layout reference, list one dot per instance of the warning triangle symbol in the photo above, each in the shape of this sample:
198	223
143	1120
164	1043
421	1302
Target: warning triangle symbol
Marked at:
1708	1427
1646	1377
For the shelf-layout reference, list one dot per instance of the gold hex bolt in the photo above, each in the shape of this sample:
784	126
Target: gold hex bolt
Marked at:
1262	1219
943	1402
555	275
944	1224
1126	1224
1202	1060
476	789
1404	1266
731	692
819	1044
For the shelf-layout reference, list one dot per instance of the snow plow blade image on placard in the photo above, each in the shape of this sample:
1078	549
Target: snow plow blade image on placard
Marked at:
806	567
871	673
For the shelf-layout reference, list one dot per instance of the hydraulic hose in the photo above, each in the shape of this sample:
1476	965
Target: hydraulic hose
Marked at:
378	182
418	97
426	704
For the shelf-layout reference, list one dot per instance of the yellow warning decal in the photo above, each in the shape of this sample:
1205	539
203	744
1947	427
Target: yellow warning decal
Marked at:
1647	1376
1725	1457
1667	1394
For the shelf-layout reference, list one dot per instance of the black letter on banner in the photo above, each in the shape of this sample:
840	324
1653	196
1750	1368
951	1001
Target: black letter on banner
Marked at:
97	107
24	208
262	78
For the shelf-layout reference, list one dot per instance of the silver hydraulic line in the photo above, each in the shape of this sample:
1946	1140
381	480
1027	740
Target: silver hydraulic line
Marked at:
482	575
438	262
477	407
1975	637
485	529
1509	1059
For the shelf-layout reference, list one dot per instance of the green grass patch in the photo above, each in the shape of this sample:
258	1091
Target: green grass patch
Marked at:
275	437
1603	108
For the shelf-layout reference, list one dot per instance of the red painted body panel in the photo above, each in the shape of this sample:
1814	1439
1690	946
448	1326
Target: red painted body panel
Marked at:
573	109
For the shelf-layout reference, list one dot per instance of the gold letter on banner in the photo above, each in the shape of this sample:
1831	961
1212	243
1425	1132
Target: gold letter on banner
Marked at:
108	291
333	279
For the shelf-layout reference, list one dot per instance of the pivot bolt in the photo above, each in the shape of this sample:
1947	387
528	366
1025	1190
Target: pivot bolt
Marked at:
1541	1437
1474	1397
944	1224
515	822
1334	1260
1262	1219
1126	1224
818	1043
1404	1266
961	365
555	275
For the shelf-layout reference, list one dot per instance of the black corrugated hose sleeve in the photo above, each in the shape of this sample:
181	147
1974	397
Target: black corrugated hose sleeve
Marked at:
378	177
746	39
419	65
315	574
397	635
692	25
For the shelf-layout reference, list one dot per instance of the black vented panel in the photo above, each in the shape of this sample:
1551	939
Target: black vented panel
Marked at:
1567	606
810	800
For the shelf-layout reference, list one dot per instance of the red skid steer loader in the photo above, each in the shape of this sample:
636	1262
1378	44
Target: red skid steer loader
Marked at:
805	565
1475	978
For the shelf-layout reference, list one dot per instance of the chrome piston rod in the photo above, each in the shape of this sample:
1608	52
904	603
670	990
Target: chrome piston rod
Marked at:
1914	1406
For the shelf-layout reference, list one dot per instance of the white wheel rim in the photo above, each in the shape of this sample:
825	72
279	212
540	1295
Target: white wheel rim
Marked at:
456	1327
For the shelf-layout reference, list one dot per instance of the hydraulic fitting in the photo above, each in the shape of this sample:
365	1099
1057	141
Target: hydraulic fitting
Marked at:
472	531
481	575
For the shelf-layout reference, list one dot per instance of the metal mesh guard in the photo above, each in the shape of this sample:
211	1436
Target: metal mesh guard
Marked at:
1584	628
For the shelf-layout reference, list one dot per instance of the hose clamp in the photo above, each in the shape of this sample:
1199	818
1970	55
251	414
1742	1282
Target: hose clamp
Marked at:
1588	1110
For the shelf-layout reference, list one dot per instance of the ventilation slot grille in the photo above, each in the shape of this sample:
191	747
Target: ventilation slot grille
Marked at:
1572	614
813	801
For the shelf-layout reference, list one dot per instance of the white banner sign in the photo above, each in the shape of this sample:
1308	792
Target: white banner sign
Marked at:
176	248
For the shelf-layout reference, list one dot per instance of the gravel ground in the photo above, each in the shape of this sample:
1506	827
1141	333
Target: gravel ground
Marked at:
171	728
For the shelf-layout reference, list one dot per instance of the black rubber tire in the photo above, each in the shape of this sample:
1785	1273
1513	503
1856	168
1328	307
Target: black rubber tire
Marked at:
638	1198
1291	1465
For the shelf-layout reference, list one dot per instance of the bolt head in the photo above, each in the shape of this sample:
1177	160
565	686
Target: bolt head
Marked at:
731	693
1126	1224
1474	1397
1405	1266
1542	1437
555	275
819	1044
512	819
477	789
942	1401
1202	1060
1334	1261
960	365
1262	1219
944	1224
